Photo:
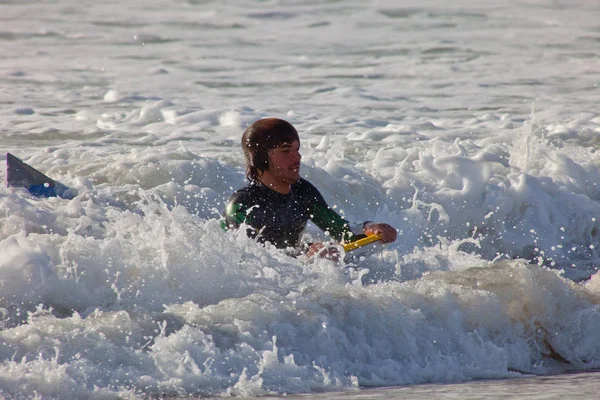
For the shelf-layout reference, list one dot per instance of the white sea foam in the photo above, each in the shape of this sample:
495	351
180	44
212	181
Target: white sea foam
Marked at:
472	129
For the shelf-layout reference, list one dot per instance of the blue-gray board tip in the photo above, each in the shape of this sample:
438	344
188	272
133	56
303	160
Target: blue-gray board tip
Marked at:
20	174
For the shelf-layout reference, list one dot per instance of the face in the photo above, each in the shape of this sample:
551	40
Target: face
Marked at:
284	162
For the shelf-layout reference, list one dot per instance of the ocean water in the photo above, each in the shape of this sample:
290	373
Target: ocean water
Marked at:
472	127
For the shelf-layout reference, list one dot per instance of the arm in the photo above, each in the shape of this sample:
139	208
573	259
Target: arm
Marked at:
328	220
340	229
236	213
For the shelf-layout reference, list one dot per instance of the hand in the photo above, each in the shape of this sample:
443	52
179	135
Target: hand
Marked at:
323	251
388	234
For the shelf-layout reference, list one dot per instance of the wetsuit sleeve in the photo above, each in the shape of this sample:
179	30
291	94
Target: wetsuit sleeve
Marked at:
236	213
328	220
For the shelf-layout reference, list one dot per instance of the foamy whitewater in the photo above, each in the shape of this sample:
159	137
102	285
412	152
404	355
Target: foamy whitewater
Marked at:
472	128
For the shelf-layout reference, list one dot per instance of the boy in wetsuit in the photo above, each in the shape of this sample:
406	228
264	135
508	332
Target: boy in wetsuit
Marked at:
278	203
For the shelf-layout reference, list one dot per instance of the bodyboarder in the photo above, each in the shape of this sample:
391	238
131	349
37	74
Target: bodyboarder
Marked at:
277	203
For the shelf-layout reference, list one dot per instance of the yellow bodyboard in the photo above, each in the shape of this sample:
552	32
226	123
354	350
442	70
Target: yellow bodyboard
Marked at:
361	242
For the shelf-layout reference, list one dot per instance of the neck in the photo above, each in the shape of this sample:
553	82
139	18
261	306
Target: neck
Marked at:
273	184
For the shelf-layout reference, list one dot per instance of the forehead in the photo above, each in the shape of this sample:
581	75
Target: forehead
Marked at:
295	143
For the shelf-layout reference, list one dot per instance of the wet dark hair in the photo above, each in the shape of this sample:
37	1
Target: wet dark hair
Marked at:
262	136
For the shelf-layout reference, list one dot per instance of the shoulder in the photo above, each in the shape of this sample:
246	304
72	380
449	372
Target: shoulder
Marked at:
239	196
307	189
239	203
247	194
307	192
304	186
247	198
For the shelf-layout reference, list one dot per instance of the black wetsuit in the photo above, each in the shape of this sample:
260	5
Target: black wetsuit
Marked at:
281	218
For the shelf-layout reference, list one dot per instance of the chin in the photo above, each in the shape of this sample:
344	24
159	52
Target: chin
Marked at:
294	179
